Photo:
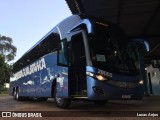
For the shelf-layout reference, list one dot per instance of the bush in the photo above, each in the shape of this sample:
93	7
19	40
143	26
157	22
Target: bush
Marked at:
3	90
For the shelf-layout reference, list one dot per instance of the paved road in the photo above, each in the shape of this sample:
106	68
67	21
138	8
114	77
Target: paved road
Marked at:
148	104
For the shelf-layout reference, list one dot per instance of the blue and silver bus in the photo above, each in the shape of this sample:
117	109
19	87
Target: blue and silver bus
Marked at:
82	58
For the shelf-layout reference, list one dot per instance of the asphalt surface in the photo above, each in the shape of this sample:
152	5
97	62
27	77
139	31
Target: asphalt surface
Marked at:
117	110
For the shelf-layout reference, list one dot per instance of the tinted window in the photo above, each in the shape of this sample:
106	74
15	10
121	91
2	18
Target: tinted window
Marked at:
47	45
63	53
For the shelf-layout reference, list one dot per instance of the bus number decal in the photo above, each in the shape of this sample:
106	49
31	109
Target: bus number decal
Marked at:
104	73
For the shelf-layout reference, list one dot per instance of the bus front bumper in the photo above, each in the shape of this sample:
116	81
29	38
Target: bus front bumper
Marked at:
98	90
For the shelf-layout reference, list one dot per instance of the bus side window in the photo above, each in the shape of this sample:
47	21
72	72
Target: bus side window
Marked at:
63	53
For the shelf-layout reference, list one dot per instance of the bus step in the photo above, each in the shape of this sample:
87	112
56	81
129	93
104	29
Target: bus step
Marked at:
80	93
79	97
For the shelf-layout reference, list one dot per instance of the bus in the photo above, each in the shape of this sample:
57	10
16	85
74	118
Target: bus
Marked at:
82	58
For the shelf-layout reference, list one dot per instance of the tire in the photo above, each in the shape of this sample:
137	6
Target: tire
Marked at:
100	102
17	97
14	94
61	102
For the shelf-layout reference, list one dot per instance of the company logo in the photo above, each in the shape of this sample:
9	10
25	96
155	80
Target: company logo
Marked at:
21	114
6	114
35	67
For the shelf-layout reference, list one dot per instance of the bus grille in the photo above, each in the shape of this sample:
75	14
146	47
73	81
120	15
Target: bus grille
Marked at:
123	84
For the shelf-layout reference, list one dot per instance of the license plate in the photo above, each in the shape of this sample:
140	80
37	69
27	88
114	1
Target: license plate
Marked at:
126	96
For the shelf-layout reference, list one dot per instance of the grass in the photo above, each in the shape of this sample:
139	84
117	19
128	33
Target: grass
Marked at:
3	94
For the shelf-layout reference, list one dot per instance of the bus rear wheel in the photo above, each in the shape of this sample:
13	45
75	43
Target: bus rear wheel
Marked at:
61	102
14	94
17	97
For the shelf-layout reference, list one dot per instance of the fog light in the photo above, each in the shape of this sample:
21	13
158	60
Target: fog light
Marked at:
98	90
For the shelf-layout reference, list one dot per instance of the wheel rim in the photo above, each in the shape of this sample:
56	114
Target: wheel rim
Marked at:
14	94
59	100
17	95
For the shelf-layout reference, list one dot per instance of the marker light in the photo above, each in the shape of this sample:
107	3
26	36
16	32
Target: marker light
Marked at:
141	82
90	74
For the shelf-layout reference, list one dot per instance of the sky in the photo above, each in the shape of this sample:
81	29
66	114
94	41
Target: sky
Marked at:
27	21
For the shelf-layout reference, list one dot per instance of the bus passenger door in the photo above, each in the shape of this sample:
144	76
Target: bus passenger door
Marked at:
77	69
62	71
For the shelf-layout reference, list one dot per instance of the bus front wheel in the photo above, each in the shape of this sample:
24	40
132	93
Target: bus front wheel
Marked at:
61	102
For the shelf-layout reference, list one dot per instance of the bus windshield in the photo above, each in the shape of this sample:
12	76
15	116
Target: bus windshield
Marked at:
110	50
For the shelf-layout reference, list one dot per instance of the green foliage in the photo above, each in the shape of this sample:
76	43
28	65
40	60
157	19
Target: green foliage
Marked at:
4	71
3	91
7	49
7	53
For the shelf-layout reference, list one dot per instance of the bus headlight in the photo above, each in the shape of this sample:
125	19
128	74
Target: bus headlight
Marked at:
141	82
100	77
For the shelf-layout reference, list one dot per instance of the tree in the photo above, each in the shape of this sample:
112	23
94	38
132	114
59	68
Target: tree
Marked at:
2	73
7	49
7	53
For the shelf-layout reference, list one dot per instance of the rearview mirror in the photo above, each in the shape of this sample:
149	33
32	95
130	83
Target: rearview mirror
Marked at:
83	22
144	42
